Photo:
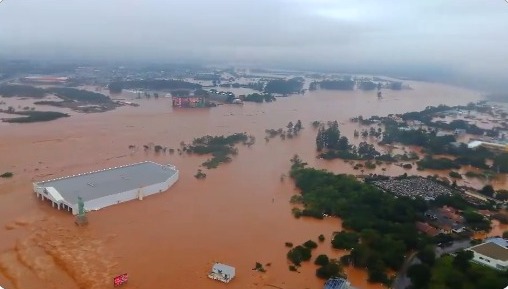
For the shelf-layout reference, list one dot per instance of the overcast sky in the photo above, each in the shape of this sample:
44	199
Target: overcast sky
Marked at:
466	35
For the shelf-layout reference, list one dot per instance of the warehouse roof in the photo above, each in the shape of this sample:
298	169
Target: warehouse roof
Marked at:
110	181
491	250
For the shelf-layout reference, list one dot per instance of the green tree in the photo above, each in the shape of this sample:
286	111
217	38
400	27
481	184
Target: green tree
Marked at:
322	260
299	254
345	240
427	255
329	270
462	260
501	163
420	275
310	244
487	190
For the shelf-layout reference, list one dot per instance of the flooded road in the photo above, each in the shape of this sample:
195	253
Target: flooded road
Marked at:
239	215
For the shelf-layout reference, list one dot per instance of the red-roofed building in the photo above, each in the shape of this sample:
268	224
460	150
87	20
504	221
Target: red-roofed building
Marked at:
427	229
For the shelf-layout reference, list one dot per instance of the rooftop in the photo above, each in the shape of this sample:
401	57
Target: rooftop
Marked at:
222	272
336	283
109	181
427	229
499	241
491	250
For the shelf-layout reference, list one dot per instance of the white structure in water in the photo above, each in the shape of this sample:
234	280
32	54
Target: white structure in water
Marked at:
107	187
221	272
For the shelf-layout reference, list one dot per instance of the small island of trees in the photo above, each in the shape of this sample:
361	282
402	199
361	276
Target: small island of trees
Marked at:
220	147
285	87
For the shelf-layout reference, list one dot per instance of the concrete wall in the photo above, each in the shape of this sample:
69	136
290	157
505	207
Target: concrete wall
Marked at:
487	261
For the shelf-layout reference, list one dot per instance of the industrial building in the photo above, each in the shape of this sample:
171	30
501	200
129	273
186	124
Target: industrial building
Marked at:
107	187
40	79
492	253
222	272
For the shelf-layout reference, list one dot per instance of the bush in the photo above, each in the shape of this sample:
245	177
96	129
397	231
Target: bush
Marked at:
322	260
200	175
259	267
312	213
370	165
407	166
321	238
475	175
289	244
329	270
345	240
296	212
299	254
292	268
437	164
35	116
6	175
455	175
310	244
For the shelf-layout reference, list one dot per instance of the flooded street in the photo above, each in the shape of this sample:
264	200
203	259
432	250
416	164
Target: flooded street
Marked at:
239	215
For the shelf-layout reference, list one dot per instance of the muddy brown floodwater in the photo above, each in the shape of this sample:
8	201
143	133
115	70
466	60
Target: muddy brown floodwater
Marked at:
239	215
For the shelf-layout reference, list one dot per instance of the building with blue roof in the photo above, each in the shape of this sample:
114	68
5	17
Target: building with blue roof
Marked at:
337	283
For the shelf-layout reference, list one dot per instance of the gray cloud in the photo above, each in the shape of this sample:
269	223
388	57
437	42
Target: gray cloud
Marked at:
466	35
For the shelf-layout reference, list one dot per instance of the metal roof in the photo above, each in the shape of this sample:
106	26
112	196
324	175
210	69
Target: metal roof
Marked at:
336	283
491	250
109	181
499	241
223	269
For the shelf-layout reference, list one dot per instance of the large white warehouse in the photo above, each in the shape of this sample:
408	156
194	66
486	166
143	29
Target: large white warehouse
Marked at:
107	187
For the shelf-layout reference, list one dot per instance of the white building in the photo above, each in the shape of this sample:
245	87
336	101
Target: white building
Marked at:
492	253
103	188
221	272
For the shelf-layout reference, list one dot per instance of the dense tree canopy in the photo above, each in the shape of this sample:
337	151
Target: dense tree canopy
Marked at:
284	87
7	90
257	97
81	95
384	224
501	163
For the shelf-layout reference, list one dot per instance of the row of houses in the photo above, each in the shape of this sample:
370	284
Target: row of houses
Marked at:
444	220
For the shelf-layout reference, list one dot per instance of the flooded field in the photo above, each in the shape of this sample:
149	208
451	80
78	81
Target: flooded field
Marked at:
239	215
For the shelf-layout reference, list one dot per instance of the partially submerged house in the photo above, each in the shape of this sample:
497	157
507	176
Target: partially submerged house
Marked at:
337	283
222	272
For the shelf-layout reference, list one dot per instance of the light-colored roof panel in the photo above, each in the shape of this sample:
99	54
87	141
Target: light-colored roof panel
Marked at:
491	250
112	181
54	194
224	269
499	241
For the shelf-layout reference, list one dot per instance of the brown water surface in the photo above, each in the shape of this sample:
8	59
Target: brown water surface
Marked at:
239	215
